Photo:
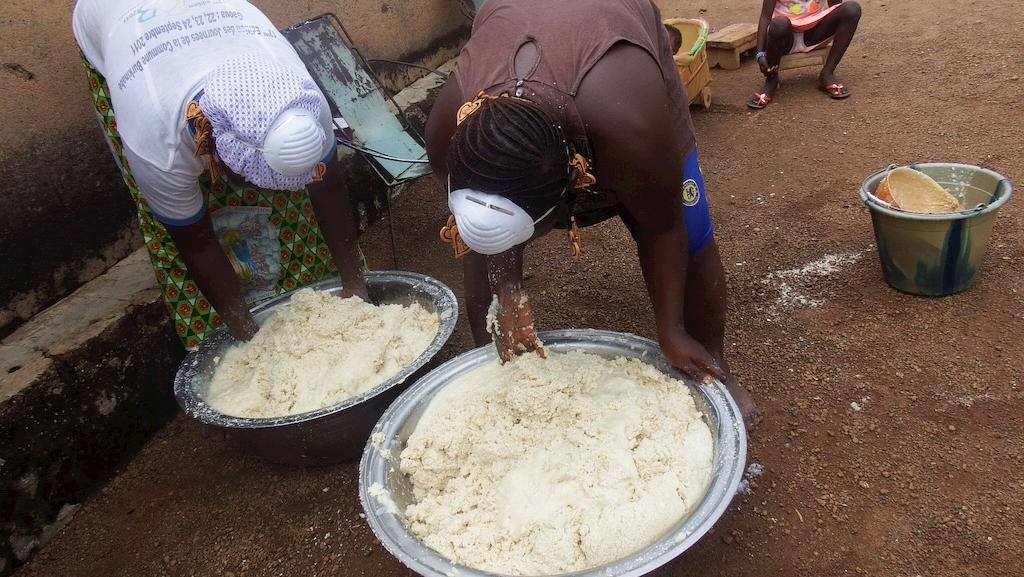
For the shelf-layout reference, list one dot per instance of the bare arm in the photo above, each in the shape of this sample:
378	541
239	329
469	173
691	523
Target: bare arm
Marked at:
210	268
333	208
514	332
640	156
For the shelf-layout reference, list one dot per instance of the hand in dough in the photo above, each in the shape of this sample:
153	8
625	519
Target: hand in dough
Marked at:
512	325
514	329
356	289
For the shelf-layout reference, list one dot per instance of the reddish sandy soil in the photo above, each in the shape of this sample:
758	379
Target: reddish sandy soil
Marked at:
891	443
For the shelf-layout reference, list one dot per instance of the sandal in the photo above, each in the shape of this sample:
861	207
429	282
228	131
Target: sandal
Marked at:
836	90
759	101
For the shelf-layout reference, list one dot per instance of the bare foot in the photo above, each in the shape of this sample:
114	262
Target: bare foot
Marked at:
752	415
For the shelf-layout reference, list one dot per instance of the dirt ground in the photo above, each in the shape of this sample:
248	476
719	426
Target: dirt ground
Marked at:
891	444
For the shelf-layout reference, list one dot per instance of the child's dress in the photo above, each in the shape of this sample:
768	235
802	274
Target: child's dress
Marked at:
803	15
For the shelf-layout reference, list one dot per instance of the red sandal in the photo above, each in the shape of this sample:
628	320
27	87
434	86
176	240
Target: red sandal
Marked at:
836	90
759	101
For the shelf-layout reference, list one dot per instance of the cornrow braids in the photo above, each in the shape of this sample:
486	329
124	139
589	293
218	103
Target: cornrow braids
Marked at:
511	147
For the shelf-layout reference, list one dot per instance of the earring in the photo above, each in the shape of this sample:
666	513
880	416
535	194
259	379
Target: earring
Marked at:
573	232
450	235
584	179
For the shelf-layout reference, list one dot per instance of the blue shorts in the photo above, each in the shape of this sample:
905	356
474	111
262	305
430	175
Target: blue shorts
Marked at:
696	212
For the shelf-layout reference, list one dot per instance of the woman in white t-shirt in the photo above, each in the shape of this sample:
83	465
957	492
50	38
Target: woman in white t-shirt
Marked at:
211	86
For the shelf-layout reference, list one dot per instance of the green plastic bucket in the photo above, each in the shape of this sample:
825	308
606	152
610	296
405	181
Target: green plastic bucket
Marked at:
937	254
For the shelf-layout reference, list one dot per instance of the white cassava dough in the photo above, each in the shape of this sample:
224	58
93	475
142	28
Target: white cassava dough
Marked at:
546	466
317	351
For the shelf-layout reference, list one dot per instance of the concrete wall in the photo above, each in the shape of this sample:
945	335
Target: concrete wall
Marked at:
66	216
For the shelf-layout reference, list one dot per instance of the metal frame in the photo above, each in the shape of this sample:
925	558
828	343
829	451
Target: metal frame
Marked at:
390	181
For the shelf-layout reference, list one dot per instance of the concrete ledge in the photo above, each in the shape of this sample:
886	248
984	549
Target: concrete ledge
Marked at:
83	386
85	383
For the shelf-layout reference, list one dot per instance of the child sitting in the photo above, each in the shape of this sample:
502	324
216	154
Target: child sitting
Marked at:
792	26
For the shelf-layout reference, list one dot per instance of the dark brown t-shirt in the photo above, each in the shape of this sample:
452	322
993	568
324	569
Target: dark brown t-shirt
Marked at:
571	37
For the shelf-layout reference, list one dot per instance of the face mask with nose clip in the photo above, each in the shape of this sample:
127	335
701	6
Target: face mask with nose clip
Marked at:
490	223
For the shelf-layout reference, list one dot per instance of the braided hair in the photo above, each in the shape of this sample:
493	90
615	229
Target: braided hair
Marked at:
514	148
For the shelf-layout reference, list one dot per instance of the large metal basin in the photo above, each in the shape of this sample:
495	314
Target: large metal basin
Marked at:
332	434
380	458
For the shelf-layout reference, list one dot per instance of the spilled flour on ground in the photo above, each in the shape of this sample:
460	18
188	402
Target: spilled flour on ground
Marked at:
793	285
753	472
546	466
968	401
317	351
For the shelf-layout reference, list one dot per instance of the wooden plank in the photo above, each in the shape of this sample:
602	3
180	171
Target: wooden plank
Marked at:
733	35
799	60
729	58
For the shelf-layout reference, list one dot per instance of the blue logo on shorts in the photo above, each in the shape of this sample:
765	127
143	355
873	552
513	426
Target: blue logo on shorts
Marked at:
691	192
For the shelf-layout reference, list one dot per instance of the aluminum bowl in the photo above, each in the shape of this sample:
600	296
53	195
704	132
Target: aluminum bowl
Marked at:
380	458
332	434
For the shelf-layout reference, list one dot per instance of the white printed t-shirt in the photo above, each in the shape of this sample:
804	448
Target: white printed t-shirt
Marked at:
155	55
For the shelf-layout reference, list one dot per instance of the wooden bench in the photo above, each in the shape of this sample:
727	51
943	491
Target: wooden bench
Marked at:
726	45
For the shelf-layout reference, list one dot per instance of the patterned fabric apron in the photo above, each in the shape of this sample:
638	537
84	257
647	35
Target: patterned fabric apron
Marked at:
304	255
